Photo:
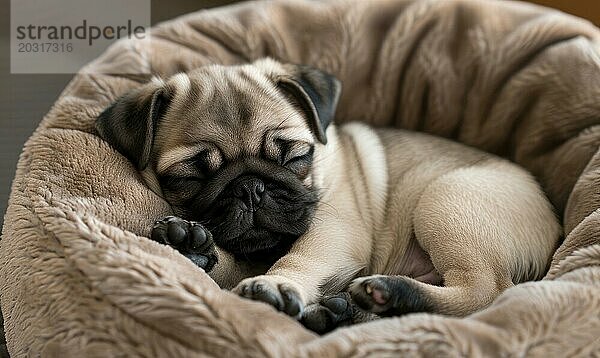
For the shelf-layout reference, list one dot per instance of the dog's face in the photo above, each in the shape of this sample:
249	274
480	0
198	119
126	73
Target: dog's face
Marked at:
232	147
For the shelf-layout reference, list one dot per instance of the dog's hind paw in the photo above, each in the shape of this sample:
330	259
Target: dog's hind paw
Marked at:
389	295
190	238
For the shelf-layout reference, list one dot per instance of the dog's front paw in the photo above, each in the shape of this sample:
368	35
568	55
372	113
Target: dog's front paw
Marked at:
277	291
189	238
329	313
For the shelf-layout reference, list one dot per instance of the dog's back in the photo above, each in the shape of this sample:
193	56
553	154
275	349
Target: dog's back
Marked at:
451	214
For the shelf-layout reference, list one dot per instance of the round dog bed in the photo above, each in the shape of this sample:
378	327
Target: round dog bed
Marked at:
80	278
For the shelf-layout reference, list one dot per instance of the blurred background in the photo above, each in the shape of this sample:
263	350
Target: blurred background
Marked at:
24	99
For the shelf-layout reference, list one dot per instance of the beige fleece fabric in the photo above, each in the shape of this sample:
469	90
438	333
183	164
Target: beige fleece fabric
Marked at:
80	278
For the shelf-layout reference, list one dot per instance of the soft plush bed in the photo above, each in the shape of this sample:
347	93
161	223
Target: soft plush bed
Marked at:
79	277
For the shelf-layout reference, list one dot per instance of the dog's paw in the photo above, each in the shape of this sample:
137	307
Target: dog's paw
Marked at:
329	313
389	295
189	238
372	293
276	291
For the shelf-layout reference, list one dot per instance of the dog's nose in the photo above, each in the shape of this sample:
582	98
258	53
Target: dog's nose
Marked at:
249	189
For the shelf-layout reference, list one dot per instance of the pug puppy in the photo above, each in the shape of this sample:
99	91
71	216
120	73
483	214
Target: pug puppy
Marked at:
282	206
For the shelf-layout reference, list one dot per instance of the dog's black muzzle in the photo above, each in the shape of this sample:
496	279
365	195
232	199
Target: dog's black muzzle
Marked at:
255	208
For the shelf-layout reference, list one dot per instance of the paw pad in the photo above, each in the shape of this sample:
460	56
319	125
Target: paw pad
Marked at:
190	238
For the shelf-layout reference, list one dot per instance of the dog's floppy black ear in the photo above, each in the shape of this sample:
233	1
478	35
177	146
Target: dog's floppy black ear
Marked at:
129	124
317	92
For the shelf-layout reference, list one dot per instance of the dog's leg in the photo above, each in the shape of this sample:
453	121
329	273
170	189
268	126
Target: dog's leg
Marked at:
295	280
483	226
397	295
229	271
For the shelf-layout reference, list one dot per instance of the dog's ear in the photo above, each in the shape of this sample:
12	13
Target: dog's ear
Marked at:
316	92
130	123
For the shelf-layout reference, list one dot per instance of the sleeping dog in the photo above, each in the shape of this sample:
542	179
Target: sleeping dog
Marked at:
282	206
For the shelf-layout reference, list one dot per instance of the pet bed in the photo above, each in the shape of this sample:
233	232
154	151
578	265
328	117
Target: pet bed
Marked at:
80	278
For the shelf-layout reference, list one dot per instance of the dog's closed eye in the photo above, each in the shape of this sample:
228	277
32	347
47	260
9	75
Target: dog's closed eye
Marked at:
199	166
207	161
300	163
289	150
